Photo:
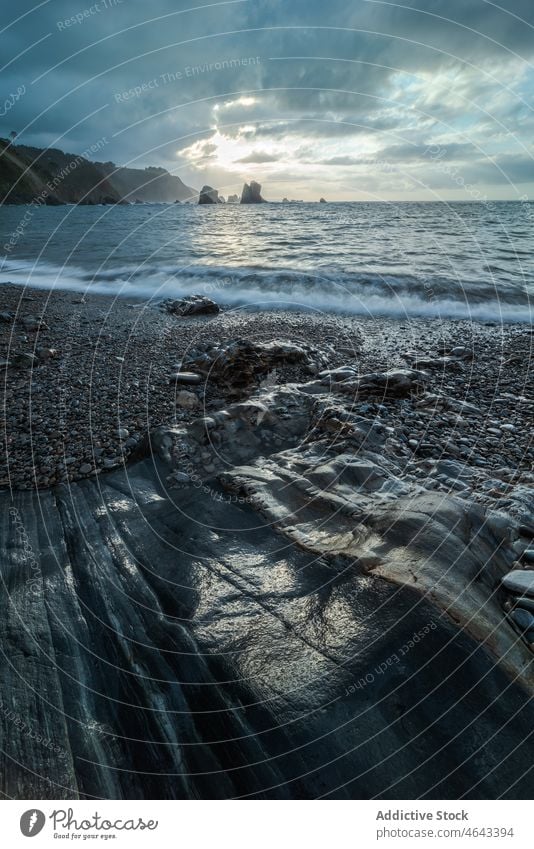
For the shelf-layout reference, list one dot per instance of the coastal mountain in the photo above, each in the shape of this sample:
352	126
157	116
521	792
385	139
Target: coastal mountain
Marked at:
49	176
153	185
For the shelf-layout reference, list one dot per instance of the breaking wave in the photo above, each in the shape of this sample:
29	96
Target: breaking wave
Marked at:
366	294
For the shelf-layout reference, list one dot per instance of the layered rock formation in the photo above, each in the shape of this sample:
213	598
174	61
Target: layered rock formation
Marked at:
252	193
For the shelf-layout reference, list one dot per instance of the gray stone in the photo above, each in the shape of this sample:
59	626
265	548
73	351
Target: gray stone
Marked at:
192	305
208	195
519	581
522	618
337	374
181	477
186	377
24	360
252	193
187	400
46	354
30	322
393	383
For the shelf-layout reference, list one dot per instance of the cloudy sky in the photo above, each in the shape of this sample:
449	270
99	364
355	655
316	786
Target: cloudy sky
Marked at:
349	99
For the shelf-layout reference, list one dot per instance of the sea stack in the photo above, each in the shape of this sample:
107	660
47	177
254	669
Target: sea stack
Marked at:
208	195
252	193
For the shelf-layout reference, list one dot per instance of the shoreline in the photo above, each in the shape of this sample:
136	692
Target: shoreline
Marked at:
104	366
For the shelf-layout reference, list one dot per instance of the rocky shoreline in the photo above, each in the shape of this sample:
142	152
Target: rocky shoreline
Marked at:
86	377
304	543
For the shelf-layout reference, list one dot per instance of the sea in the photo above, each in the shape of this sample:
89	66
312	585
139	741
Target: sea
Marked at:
429	259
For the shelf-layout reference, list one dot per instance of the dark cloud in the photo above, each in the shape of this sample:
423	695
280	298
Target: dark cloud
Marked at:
341	160
258	157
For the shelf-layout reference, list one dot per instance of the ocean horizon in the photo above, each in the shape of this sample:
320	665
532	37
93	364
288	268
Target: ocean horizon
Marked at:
464	260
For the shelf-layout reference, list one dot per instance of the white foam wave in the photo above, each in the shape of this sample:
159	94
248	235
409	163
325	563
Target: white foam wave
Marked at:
358	294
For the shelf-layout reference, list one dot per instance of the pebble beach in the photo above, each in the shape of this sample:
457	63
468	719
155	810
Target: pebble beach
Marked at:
86	377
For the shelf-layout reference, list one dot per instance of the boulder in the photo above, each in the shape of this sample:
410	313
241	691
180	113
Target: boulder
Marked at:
208	195
192	305
252	193
322	200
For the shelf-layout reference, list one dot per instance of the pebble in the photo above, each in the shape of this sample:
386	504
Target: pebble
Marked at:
180	477
89	389
187	400
186	377
45	354
519	581
24	360
85	469
30	322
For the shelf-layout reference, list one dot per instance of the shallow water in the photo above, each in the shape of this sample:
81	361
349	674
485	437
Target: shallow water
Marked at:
460	260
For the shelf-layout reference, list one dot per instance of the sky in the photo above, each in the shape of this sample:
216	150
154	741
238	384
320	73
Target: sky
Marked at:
345	99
